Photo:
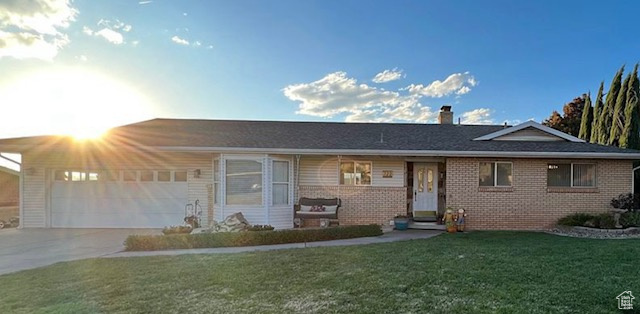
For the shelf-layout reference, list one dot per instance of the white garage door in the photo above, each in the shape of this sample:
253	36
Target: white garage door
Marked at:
118	199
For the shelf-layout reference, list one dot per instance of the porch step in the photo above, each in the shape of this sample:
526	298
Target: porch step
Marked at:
425	225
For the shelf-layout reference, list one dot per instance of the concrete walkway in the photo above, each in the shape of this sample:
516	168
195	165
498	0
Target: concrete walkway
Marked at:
392	236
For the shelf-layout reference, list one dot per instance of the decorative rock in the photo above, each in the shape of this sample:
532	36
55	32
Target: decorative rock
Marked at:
594	233
232	223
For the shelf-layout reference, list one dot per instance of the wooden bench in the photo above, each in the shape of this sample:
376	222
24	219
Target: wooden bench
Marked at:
317	209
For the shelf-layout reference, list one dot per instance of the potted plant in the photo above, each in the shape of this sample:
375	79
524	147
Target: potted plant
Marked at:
401	221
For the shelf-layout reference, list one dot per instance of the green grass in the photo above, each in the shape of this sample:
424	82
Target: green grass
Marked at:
505	272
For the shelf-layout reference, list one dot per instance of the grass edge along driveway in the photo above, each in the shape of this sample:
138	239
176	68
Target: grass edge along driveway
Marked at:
478	272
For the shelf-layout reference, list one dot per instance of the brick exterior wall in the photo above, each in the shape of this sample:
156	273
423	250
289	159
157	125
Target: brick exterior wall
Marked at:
362	204
529	204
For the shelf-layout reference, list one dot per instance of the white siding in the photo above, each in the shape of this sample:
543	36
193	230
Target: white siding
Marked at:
529	134
323	171
318	170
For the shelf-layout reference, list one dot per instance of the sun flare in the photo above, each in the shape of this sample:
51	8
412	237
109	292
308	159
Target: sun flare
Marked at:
76	102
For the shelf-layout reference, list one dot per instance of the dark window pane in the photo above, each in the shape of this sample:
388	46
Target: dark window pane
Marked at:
112	175
146	176
164	176
129	176
584	175
61	175
559	175
486	173
504	174
180	176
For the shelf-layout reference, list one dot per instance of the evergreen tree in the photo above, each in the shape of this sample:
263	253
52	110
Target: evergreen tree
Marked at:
596	115
617	120
586	119
630	137
606	115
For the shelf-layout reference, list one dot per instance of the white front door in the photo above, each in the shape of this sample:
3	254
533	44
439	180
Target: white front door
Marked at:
425	189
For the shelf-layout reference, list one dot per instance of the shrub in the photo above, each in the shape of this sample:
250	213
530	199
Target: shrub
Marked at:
630	219
578	219
602	221
629	201
229	239
260	228
177	229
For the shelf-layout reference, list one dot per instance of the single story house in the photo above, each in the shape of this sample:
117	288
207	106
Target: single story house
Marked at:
143	174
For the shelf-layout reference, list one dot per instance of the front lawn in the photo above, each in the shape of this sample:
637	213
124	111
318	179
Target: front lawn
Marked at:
476	272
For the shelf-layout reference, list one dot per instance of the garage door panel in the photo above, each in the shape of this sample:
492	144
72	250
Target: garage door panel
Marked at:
118	204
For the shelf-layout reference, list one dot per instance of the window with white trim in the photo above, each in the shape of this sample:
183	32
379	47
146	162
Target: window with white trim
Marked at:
579	175
355	173
243	182
497	174
280	183
216	181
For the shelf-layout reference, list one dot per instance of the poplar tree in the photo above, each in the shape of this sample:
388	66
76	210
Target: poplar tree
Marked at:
630	137
617	120
606	115
596	115
587	119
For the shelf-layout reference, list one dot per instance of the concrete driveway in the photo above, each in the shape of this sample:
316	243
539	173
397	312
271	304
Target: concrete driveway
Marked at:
31	248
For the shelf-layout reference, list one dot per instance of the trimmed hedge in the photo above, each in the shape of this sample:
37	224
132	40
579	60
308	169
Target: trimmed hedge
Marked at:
578	219
230	239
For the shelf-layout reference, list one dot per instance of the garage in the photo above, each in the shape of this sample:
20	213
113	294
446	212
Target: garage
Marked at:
118	198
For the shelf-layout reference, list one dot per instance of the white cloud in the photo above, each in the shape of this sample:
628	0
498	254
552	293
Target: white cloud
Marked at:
458	83
337	94
87	31
110	35
24	45
210	47
32	28
111	30
477	116
388	76
197	43
144	2
179	40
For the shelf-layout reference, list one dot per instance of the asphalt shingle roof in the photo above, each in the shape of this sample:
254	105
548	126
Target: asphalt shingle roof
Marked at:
325	135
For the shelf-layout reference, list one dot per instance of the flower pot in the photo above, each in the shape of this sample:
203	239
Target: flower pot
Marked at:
451	229
401	223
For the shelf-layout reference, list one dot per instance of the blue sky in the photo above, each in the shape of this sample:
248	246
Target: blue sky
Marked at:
79	67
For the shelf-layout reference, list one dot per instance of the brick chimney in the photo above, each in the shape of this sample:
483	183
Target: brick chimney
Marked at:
445	116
